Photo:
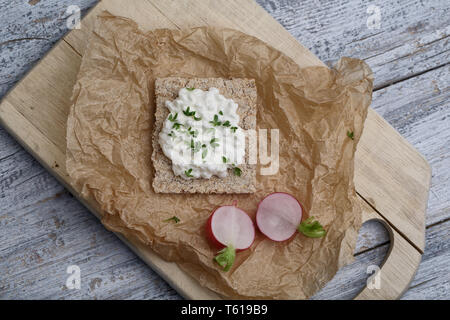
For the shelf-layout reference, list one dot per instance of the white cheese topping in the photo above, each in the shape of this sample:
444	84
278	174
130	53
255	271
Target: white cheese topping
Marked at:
201	135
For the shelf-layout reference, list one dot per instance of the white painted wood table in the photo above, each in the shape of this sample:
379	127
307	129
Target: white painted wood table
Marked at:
43	229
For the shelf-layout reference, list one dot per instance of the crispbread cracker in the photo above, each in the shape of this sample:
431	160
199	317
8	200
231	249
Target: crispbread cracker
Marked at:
243	92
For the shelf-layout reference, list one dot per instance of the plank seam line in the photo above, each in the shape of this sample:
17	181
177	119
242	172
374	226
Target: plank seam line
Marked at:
391	225
10	130
75	50
438	222
372	248
10	155
393	82
23	39
422	283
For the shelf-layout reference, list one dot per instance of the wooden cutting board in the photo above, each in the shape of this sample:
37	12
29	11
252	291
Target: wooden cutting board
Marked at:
392	179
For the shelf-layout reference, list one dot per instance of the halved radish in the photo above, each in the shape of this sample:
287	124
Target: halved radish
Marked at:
231	229
279	215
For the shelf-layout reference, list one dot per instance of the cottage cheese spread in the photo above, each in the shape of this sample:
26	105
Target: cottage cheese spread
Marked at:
201	134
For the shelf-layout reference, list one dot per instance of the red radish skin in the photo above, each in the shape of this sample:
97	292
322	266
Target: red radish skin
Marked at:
278	216
246	227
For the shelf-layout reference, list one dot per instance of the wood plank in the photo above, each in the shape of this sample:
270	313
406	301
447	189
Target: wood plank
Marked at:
56	75
33	140
34	263
420	109
412	38
433	277
399	188
28	32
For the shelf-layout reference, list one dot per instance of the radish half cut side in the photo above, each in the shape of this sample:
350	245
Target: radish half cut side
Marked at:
231	229
229	225
278	216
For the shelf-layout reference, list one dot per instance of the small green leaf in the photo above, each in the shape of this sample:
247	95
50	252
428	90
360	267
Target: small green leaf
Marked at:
221	113
197	118
224	159
237	171
233	129
216	121
188	112
213	142
311	228
226	123
225	257
188	173
190	89
173	118
350	134
204	153
193	133
177	126
174	218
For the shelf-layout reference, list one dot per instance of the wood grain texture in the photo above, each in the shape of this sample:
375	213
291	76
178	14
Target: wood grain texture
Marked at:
397	104
412	38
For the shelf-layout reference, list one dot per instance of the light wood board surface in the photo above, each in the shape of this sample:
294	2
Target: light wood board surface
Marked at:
376	202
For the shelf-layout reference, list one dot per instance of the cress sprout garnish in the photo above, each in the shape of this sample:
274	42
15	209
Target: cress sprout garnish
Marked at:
311	228
188	113
173	118
195	146
216	121
204	152
188	173
351	134
174	218
213	142
193	133
225	257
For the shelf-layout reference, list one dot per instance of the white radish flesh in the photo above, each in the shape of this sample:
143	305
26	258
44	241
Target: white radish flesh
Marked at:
278	216
231	226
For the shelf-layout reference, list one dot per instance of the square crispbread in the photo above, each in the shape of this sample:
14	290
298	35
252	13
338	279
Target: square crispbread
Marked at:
243	92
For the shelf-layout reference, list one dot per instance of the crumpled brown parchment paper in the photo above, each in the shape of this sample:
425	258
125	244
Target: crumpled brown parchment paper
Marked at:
109	148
